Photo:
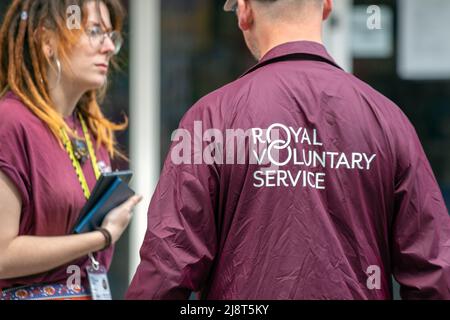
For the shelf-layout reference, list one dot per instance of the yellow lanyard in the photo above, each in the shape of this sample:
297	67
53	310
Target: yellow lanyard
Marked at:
76	164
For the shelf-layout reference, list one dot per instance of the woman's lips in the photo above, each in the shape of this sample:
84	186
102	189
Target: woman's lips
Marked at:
102	66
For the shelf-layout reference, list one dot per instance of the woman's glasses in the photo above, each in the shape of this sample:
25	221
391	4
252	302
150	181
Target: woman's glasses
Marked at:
97	38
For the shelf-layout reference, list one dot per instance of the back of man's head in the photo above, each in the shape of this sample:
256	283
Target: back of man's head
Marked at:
287	8
278	8
267	23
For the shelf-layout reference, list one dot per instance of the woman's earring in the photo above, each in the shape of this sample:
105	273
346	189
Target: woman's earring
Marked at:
58	65
59	71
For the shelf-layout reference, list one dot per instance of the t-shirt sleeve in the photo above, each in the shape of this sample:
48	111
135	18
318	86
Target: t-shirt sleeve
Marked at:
14	156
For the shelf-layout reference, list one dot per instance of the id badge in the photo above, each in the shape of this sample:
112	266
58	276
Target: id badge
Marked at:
98	283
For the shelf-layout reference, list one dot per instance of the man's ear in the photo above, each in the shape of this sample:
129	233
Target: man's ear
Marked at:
245	14
327	8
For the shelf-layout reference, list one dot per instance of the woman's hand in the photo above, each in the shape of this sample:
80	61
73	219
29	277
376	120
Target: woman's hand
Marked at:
23	255
117	220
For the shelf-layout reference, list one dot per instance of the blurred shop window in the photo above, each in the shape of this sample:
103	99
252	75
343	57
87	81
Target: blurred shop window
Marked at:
202	49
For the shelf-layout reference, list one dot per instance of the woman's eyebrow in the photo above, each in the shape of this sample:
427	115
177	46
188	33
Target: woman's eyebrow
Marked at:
97	24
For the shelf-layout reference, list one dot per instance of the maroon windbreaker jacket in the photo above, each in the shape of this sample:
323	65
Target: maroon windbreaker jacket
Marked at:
349	201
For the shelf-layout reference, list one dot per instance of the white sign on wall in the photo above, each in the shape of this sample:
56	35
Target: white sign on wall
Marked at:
424	40
372	31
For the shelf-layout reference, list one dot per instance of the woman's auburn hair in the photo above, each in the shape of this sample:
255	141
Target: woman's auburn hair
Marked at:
23	63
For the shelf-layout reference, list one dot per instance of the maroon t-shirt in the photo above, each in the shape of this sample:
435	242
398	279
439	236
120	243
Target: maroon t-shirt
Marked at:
352	202
44	176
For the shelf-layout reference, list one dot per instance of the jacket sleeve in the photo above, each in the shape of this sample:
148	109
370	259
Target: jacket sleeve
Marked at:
180	243
421	226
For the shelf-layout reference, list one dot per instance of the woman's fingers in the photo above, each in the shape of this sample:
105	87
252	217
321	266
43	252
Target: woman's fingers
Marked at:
132	202
119	218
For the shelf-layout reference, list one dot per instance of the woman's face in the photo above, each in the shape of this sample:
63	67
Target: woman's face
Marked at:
90	58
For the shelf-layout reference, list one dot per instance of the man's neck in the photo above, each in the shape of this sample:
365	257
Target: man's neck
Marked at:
287	33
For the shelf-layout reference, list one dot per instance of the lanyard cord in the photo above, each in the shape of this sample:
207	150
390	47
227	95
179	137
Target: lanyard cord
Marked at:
76	164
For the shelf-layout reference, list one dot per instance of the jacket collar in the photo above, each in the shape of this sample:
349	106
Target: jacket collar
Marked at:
290	50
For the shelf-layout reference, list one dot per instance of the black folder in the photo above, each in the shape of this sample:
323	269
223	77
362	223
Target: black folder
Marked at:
111	191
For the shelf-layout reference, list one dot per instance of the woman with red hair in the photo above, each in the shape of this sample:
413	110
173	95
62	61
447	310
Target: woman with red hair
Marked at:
54	144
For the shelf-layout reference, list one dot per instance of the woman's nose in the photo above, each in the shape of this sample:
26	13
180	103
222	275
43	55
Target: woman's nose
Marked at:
108	46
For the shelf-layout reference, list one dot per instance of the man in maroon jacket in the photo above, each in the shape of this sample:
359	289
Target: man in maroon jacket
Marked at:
335	196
